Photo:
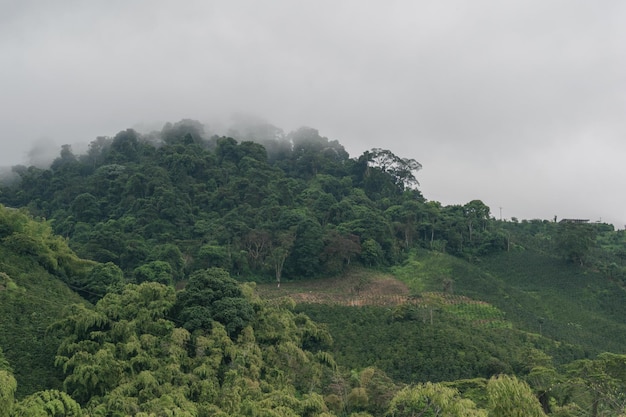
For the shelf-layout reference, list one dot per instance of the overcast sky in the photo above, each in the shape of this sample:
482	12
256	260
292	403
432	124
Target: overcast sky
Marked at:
521	104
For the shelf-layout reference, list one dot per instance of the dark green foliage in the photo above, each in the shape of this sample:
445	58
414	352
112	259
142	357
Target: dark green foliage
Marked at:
549	296
4	365
132	198
155	271
575	240
304	259
100	280
213	256
371	253
410	348
173	256
538	293
212	295
85	208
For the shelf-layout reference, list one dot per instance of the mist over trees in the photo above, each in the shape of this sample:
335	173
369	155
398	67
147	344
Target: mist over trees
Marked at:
260	203
286	205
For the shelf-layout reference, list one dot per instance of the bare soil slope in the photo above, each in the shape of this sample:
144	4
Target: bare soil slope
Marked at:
356	287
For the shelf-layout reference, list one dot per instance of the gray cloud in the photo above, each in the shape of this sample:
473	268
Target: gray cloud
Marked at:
518	103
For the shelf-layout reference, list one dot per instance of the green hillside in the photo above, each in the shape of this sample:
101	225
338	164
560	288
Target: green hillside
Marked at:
184	275
33	263
538	292
562	300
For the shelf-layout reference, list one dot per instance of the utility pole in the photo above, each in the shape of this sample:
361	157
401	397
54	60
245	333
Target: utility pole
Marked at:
500	213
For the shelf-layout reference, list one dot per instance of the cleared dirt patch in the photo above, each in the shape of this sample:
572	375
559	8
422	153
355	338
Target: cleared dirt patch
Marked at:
356	287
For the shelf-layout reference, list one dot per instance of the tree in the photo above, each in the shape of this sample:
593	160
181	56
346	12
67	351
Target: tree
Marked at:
186	131
544	381
125	147
405	219
101	279
603	381
432	400
476	214
510	397
49	403
574	241
214	256
371	253
313	154
282	242
100	341
171	254
85	208
372	390
66	158
257	244
212	295
339	250
304	256
8	385
402	170
154	271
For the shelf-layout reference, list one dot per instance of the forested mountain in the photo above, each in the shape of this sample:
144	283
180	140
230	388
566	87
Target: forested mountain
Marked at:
131	278
295	207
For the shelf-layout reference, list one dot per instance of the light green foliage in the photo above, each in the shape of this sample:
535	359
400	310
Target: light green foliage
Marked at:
49	403
431	400
145	303
8	385
371	253
367	391
126	357
34	239
599	384
101	340
282	336
32	296
7	284
510	397
476	312
424	271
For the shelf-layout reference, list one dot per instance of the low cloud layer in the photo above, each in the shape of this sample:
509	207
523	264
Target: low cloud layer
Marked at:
520	103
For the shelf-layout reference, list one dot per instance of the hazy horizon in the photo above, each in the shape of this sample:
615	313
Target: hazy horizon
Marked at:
519	104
